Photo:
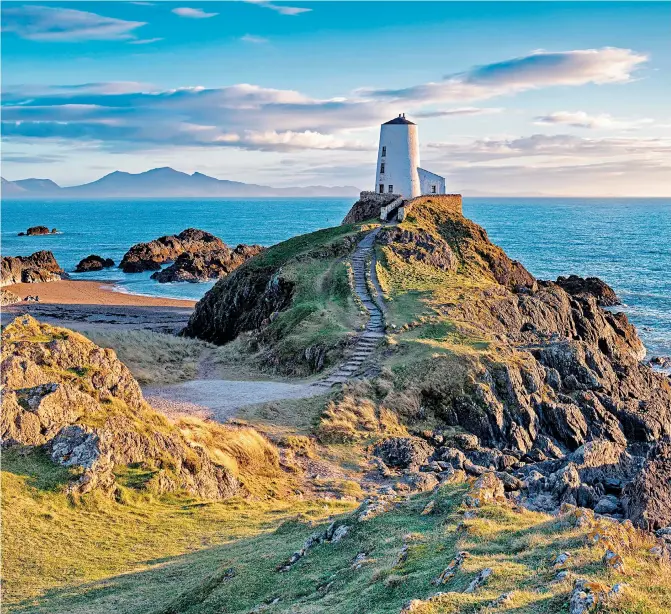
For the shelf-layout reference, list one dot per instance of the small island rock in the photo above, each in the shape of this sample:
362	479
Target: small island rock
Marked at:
150	256
93	263
203	266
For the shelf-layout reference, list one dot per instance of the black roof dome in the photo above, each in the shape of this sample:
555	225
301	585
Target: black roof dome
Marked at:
399	120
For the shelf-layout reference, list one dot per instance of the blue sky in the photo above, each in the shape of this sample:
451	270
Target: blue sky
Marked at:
511	98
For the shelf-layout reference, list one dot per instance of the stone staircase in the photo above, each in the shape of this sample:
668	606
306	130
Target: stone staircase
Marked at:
374	332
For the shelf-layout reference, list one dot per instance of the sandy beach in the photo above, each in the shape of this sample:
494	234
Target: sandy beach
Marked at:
67	292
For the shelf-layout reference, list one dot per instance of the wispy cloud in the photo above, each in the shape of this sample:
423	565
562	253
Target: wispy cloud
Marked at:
145	41
250	38
186	11
537	70
56	24
458	111
580	119
282	9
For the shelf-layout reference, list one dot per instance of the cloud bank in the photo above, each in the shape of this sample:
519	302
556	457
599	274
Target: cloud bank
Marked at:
193	13
580	119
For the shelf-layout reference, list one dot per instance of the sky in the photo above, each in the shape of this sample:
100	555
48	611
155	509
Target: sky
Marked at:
511	98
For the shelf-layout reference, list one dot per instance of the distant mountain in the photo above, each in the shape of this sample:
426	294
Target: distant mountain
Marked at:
161	182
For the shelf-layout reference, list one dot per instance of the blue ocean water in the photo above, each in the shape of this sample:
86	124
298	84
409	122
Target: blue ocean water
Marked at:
626	242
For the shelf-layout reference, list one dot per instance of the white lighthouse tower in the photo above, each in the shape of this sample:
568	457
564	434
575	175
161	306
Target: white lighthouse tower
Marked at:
398	170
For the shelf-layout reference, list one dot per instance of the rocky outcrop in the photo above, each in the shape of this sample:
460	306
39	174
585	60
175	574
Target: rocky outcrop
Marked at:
38	267
368	207
8	298
205	266
93	263
590	286
38	230
150	256
75	399
250	297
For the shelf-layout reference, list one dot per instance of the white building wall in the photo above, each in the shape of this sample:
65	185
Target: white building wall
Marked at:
401	160
430	183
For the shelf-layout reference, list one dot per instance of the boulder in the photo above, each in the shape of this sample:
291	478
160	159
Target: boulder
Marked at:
205	266
486	489
93	263
150	256
403	452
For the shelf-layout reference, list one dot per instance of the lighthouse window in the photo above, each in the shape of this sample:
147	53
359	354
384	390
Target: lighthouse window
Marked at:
382	167
381	189
384	150
391	189
433	189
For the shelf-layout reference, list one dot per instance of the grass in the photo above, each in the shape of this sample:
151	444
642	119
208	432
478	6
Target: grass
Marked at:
153	358
53	549
182	553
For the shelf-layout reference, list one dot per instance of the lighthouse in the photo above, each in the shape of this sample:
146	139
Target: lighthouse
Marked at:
398	170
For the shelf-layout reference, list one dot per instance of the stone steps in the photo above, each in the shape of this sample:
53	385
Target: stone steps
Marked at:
374	331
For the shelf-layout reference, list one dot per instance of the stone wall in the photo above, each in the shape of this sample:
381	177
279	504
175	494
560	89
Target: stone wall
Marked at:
368	207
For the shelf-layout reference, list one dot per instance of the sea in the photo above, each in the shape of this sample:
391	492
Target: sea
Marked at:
624	241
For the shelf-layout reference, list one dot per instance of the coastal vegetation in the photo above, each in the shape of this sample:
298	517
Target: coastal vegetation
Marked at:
503	452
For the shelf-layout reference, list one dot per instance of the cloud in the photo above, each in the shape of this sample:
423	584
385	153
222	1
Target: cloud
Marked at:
193	13
580	119
145	41
56	24
31	159
250	38
244	116
458	111
539	69
280	8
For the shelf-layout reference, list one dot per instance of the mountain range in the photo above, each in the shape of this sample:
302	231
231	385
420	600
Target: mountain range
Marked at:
160	182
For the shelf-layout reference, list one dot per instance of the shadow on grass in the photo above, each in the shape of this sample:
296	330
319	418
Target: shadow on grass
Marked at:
35	465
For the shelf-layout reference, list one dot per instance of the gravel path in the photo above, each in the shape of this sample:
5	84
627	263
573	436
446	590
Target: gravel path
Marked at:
220	399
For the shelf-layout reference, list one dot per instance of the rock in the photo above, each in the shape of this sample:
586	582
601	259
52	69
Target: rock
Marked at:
8	298
403	452
451	570
207	265
150	256
607	505
502	599
56	381
368	207
585	596
452	476
467	441
479	580
429	508
452	456
561	559
370	508
613	560
419	482
339	533
38	267
37	230
590	286
661	362
486	489
93	263
510	482
647	498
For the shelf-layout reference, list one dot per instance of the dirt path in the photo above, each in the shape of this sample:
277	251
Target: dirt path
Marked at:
220	399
